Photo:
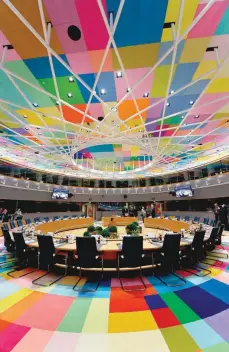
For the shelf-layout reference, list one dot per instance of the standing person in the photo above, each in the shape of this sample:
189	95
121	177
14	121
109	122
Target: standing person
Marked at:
216	210
153	213
223	213
135	211
5	215
143	213
148	212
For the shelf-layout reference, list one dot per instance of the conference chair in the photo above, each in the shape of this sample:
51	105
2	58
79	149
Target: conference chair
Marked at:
87	256
212	222
193	254
46	219
196	219
10	248
131	256
19	223
209	246
187	218
37	220
65	217
169	257
55	218
217	242
22	253
28	221
5	227
206	221
178	217
12	225
48	258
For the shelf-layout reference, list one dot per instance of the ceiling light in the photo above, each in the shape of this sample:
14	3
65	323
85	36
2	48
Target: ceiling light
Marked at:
57	102
71	79
103	91
119	74
114	109
26	128
25	116
145	95
35	104
167	104
70	95
196	116
182	117
191	102
171	91
128	90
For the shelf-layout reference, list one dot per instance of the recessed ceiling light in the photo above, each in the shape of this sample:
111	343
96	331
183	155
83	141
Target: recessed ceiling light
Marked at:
70	95
114	109
128	90
167	104
71	79
171	91
196	116
25	116
182	117
35	104
145	95
119	74
191	102
57	102
103	91
26	128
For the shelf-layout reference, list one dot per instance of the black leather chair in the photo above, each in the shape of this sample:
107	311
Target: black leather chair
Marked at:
216	240
87	256
169	258
10	248
48	258
193	254
131	256
22	253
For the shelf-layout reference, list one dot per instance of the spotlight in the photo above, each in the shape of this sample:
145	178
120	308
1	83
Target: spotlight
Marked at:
71	79
35	105
69	95
145	95
128	89
171	91
119	74
103	91
167	104
191	102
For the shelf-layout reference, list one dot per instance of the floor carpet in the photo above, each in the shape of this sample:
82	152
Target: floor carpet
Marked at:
191	318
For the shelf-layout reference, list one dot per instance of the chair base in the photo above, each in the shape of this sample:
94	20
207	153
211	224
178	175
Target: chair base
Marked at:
75	288
172	285
18	277
34	282
208	272
206	262
135	289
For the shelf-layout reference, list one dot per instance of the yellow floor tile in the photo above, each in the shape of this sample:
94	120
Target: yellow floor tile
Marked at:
130	322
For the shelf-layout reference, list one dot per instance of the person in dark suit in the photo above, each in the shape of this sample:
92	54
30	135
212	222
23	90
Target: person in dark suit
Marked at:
223	213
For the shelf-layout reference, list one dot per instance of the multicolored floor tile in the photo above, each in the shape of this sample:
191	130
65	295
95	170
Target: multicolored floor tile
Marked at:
191	318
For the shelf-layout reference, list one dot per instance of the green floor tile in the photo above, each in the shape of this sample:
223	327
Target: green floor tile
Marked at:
179	340
221	347
183	313
75	317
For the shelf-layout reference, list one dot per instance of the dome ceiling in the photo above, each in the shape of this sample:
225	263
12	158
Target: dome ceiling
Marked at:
114	89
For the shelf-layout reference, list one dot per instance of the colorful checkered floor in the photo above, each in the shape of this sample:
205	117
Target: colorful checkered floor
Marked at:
191	318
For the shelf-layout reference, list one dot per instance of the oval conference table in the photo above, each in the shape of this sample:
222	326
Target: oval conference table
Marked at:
110	247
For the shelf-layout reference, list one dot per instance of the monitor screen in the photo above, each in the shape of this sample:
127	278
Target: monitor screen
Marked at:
184	191
59	193
109	206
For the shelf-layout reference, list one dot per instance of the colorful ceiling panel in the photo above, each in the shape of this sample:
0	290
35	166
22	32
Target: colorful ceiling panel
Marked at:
114	89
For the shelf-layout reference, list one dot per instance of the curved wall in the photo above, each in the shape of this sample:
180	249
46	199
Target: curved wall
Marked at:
211	187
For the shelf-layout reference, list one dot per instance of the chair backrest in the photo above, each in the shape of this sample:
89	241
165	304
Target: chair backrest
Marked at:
187	218
19	244
206	220
171	248
28	221
211	222
65	217
8	242
132	250
12	224
46	249
46	219
214	234
220	232
55	218
37	219
197	244
86	251
5	227
19	223
178	217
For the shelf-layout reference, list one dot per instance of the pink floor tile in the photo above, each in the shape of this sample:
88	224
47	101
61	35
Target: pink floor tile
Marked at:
62	341
42	337
10	336
223	277
47	313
